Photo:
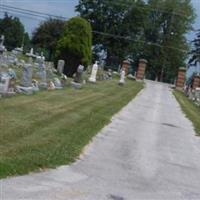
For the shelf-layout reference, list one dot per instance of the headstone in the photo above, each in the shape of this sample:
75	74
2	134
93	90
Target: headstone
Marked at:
4	83
18	50
122	77
63	80
57	83
197	95
79	73
77	83
42	72
60	66
7	82
50	71
92	78
110	74
2	47
31	53
26	86
27	75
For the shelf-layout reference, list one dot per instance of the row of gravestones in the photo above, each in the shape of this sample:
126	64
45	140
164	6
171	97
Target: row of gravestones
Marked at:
28	85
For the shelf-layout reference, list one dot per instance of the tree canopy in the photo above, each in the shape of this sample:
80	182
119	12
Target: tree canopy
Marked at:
112	22
153	29
47	35
75	46
168	22
14	32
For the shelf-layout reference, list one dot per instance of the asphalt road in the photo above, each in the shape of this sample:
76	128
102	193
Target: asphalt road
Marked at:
149	151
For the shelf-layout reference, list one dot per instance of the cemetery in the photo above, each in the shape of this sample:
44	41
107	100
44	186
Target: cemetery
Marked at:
47	117
35	92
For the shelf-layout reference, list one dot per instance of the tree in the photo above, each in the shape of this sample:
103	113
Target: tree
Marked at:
113	24
13	30
26	42
47	35
75	46
195	52
166	46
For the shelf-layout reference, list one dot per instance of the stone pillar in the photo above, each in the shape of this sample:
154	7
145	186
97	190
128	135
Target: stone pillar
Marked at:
125	66
196	82
141	69
181	78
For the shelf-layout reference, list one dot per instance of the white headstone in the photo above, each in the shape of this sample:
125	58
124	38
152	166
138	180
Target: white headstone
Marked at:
94	73
122	77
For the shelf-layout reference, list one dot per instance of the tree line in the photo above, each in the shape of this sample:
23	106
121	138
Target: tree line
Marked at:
123	29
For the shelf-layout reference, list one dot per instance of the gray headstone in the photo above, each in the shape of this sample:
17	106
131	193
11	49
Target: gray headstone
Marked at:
78	75
27	75
57	83
2	47
7	82
4	83
60	66
42	72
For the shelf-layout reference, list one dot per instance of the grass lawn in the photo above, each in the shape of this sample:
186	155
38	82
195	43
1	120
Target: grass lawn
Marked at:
49	129
191	110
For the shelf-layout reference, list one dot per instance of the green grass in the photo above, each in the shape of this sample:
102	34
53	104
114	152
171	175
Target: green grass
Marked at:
49	129
191	110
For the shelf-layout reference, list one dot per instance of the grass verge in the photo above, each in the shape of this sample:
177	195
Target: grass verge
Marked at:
191	110
49	129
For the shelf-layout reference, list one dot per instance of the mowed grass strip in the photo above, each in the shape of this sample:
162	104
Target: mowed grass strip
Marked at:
191	110
49	129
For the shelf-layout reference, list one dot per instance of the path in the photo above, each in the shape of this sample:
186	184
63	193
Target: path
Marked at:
149	151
